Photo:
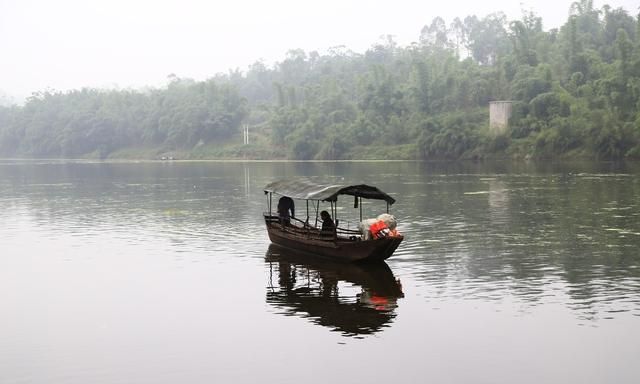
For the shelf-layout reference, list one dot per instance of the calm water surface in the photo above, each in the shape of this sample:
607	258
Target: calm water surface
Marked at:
163	273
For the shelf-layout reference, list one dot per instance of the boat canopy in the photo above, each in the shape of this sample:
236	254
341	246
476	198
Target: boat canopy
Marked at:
307	190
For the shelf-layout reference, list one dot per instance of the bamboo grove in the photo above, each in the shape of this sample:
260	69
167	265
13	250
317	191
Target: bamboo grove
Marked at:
576	93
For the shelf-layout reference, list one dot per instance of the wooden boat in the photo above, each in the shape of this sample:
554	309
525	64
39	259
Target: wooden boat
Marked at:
343	243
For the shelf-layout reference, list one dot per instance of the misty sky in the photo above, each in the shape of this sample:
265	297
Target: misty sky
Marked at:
67	44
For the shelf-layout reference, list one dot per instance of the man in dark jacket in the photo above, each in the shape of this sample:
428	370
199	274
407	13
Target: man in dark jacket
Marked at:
327	224
286	209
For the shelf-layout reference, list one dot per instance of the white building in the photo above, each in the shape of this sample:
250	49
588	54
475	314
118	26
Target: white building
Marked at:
499	115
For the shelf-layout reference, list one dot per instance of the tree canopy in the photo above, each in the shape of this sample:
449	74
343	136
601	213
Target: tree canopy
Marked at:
575	92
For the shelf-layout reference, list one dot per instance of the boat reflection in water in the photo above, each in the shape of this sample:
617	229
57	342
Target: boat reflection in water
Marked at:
354	299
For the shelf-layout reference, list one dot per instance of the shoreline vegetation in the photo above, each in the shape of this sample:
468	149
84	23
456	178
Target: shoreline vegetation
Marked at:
575	94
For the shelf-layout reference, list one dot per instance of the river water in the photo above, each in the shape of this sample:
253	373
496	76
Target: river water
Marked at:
162	272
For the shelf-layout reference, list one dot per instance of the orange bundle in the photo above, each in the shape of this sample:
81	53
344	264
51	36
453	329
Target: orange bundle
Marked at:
379	229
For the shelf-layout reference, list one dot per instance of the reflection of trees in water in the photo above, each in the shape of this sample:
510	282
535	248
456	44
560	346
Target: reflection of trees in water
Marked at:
493	236
174	197
355	299
576	228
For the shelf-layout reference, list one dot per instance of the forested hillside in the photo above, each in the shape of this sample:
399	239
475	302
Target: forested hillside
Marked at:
576	93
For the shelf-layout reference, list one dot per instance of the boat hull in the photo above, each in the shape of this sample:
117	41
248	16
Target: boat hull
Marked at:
344	249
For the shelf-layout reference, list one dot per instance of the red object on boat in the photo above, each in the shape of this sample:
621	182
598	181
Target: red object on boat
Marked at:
379	229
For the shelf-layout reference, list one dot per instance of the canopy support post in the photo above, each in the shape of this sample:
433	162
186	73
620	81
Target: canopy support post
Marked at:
317	209
333	211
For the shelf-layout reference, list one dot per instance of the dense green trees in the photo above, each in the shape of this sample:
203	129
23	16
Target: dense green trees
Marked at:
96	123
576	92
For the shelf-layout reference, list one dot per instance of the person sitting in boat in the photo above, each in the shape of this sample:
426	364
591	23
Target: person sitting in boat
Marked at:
328	227
286	209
